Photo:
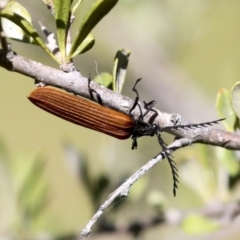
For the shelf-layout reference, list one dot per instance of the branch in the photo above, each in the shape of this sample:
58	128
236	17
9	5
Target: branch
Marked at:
75	83
123	190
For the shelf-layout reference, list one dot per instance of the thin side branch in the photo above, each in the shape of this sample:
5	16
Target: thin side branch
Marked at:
121	191
124	189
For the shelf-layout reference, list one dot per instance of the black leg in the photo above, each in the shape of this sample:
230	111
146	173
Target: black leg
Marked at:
149	108
91	91
134	143
136	99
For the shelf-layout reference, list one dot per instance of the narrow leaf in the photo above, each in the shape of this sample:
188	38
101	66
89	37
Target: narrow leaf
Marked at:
104	79
27	28
235	101
228	160
62	10
224	108
120	69
86	45
11	29
76	6
91	19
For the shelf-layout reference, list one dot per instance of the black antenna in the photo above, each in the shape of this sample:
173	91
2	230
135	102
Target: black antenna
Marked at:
143	128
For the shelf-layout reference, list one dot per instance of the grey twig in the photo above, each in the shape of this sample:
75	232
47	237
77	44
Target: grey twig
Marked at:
123	190
75	83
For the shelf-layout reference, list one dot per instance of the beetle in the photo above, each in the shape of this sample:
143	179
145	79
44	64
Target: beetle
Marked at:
83	112
97	117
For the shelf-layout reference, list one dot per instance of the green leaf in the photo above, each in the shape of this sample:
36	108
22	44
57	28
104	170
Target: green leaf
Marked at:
235	98
119	69
32	190
235	101
198	173
27	28
86	45
228	160
104	79
195	225
75	7
91	19
30	178
225	110
11	29
62	9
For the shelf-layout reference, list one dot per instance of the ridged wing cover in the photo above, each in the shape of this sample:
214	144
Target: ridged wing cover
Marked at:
83	112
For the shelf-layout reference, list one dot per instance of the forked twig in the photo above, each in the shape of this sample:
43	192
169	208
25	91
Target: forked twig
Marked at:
123	190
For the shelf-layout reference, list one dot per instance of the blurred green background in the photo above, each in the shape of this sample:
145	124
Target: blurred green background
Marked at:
185	51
